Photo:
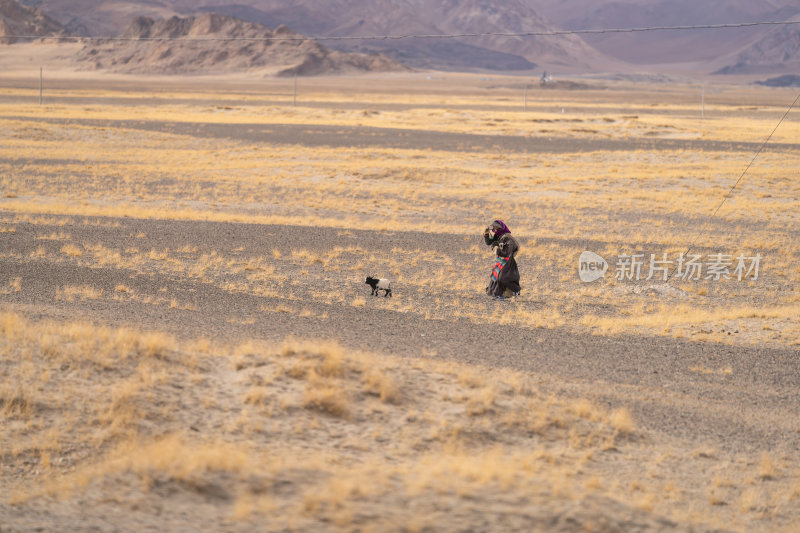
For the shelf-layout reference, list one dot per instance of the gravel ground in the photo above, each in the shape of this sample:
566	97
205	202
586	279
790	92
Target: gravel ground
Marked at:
754	407
336	136
693	402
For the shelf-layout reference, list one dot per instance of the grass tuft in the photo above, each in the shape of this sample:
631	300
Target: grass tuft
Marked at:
71	250
15	401
376	381
326	396
767	469
622	421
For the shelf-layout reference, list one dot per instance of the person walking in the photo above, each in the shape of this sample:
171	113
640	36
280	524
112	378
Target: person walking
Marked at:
504	280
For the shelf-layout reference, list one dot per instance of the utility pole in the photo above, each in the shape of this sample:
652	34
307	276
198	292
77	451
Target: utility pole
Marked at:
40	85
703	102
294	100
526	97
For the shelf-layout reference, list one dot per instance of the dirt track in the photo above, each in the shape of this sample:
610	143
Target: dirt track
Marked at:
754	407
394	138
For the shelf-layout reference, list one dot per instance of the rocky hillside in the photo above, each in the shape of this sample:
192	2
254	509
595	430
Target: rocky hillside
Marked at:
17	19
205	45
431	17
779	51
701	51
516	16
787	80
373	17
704	49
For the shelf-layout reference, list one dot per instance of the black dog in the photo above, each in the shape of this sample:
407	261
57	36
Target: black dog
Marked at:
379	285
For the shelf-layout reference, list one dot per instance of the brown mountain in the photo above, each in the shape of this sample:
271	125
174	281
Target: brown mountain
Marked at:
702	48
779	51
18	19
96	18
431	17
372	17
698	50
204	46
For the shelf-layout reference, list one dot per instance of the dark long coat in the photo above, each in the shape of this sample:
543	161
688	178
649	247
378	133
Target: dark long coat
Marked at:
505	274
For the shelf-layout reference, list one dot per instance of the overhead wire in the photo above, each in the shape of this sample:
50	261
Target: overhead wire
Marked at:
736	184
760	149
543	33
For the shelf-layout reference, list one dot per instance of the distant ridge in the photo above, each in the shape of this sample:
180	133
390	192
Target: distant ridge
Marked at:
778	52
663	52
17	19
787	80
280	58
373	17
702	51
432	17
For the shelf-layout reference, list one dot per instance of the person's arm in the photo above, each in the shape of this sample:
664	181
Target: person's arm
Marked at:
488	238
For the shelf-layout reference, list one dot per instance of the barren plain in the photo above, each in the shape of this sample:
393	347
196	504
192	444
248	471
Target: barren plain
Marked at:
188	343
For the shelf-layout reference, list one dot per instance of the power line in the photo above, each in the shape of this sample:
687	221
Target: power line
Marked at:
730	192
733	187
551	33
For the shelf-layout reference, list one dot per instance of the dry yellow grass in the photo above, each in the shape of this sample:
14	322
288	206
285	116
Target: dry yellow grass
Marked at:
622	421
15	285
679	121
380	383
767	468
325	396
648	198
348	432
680	310
684	312
646	181
79	292
91	407
71	250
